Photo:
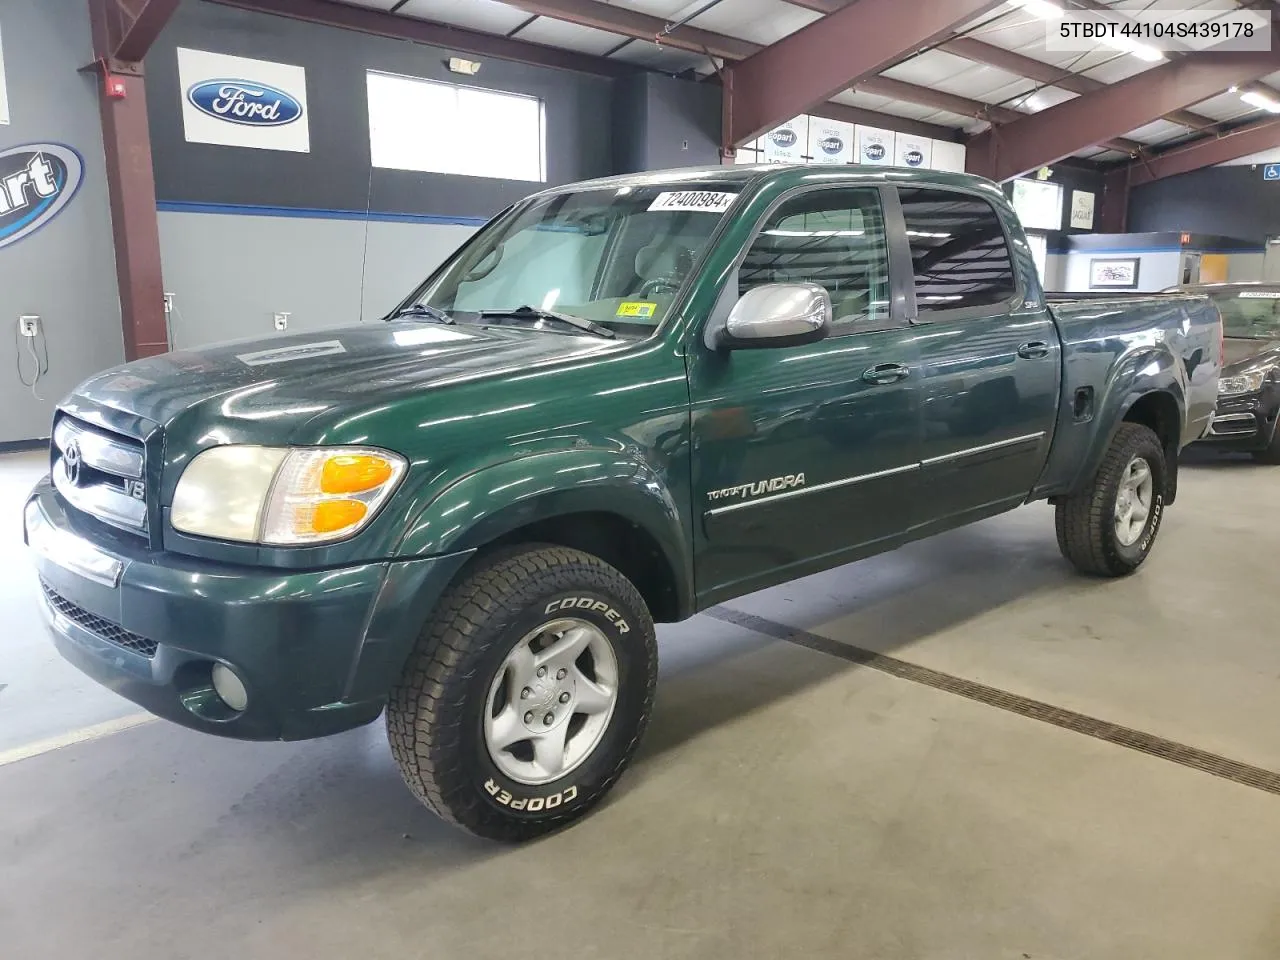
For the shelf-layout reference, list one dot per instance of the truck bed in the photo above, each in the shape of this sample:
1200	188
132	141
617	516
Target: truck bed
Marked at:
1104	334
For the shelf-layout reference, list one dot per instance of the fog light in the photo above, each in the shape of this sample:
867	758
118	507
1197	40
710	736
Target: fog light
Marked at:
229	688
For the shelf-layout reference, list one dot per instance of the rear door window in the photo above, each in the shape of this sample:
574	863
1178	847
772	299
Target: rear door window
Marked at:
959	253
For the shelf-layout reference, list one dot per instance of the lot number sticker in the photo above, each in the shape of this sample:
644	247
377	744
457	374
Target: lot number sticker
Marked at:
698	201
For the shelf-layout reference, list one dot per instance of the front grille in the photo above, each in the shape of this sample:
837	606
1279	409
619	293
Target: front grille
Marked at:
100	473
105	629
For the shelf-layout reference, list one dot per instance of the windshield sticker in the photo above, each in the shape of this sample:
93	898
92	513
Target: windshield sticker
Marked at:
1260	295
304	351
636	309
698	201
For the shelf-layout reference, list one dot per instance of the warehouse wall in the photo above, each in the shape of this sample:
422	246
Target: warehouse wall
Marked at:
246	233
64	272
662	122
1233	200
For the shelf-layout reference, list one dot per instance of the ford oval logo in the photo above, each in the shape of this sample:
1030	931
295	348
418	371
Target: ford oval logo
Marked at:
874	151
37	181
245	102
831	145
786	137
914	158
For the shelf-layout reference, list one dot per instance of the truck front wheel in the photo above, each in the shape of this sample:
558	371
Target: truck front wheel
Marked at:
1108	528
527	693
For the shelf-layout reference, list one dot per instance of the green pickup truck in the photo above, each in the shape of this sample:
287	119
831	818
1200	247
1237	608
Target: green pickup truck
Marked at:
620	402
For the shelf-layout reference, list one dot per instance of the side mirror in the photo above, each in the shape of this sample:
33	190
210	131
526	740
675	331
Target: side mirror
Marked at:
777	315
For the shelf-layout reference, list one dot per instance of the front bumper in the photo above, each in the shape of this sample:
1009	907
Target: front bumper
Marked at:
1246	422
316	650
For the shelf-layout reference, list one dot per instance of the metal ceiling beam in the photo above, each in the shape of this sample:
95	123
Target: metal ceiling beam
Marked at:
1032	69
1240	142
964	106
820	6
872	118
638	26
382	24
135	26
1002	153
828	56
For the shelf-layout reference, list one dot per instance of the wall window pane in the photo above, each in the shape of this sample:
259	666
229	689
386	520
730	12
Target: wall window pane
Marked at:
1038	204
445	128
958	250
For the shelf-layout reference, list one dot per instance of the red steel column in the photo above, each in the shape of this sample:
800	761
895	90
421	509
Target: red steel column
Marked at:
126	141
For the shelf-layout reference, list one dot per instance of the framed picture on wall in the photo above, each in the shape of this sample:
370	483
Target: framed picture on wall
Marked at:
1113	274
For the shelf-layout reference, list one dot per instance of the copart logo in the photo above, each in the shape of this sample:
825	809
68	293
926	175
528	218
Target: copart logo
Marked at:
748	490
786	137
914	158
37	181
874	151
831	145
245	102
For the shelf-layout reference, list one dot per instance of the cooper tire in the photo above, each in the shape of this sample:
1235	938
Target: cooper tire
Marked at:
1087	522
436	715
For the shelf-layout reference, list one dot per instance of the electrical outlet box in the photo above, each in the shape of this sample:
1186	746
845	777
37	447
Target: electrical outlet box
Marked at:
29	326
282	321
168	303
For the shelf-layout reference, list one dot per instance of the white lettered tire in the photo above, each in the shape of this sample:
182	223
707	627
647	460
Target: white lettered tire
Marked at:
527	693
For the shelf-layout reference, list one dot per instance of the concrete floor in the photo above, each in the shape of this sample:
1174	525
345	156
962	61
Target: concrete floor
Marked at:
786	803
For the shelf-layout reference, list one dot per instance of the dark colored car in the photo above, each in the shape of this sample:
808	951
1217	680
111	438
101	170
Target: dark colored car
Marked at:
621	401
1249	390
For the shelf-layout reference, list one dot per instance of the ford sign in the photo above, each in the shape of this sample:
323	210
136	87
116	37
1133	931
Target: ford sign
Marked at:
244	102
831	145
874	151
914	158
37	180
786	137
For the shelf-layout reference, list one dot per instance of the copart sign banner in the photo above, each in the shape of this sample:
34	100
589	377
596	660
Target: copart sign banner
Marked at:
37	181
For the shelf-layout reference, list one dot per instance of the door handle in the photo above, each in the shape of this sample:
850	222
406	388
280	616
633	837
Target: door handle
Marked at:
1035	350
883	373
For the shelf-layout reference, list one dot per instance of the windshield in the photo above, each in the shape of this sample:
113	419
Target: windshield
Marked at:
613	256
1251	314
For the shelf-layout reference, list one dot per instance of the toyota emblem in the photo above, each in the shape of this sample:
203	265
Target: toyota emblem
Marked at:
71	460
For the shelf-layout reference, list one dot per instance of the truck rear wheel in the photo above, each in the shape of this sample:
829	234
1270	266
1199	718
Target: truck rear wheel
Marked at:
1108	529
527	693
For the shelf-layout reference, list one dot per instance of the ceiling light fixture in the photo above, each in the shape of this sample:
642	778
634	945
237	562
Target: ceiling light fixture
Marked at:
1140	50
1046	10
1261	101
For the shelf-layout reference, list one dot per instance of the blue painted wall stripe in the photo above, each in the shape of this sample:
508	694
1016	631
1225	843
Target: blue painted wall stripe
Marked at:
312	213
1136	251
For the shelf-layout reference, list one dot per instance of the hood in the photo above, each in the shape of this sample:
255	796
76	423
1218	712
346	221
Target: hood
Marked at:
1244	354
287	381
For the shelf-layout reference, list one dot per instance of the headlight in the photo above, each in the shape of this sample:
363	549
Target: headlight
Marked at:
282	496
1246	383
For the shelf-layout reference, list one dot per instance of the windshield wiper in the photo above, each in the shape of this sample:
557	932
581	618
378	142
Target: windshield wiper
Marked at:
531	313
423	310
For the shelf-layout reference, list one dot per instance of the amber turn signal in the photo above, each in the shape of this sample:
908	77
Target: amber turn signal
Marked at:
354	473
330	516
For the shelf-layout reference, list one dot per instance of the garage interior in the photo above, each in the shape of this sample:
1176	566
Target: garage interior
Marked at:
961	748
